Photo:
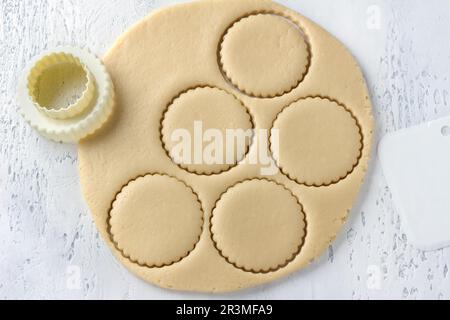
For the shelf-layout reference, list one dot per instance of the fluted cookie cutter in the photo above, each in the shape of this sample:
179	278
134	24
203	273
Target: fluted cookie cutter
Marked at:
66	94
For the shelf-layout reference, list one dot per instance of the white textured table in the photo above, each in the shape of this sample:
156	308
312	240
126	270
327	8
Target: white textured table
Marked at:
49	246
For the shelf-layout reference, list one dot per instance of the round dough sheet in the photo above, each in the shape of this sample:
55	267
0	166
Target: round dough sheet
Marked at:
241	64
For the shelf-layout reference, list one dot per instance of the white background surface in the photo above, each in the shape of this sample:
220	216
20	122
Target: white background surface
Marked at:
49	246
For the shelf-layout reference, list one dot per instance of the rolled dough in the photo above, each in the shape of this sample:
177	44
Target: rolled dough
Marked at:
271	59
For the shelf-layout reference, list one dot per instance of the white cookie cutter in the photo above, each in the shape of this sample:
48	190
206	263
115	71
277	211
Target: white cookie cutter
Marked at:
78	119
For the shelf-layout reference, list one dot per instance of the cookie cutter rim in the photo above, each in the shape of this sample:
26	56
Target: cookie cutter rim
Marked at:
56	59
73	129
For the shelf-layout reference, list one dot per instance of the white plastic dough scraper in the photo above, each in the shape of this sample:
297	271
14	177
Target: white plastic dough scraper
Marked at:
416	164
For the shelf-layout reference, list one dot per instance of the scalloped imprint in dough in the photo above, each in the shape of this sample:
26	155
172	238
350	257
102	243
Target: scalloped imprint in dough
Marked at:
263	227
337	141
263	47
216	109
244	217
152	229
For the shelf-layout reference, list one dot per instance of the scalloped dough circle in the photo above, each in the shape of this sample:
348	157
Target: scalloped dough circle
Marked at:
258	226
202	109
151	229
265	55
319	143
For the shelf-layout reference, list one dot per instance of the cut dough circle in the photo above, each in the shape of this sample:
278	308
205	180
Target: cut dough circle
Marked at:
197	111
258	226
320	142
260	48
151	229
